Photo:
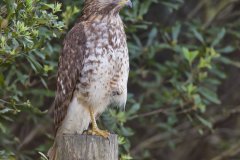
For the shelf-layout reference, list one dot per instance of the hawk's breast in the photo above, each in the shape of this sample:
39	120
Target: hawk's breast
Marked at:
105	65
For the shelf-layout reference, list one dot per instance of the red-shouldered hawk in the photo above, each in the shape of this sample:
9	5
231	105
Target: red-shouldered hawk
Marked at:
93	69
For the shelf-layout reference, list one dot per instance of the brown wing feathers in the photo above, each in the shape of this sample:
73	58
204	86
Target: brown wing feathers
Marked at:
69	68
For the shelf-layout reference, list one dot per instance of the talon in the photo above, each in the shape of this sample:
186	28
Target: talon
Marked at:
99	132
85	132
95	130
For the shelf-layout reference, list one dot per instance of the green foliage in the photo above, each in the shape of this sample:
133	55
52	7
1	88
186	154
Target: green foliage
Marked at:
27	28
176	71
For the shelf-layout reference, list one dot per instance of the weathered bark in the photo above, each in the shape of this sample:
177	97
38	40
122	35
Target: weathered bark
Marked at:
87	147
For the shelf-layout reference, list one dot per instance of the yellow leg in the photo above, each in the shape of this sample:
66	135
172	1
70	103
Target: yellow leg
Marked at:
95	130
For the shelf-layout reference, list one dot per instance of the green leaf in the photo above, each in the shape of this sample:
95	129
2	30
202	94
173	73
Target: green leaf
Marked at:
198	35
35	65
219	37
190	56
191	88
133	109
226	49
43	156
204	122
121	140
205	63
209	94
6	110
3	128
2	82
126	131
175	32
171	120
170	5
125	157
151	36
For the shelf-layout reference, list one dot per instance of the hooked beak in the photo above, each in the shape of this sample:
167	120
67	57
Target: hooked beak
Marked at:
129	3
126	3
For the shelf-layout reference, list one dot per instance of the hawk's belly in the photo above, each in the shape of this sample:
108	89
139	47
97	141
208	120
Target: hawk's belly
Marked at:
103	80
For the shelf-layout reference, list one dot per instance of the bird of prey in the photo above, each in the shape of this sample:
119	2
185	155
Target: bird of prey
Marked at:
93	69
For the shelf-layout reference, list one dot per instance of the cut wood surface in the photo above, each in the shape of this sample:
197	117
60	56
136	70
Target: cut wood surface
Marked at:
87	147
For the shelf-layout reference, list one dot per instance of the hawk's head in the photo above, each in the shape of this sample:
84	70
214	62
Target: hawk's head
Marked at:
107	4
115	3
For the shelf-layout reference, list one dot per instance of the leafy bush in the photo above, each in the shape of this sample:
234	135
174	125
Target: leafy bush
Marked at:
181	52
27	60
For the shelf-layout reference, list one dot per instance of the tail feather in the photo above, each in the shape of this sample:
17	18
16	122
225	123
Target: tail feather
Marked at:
76	121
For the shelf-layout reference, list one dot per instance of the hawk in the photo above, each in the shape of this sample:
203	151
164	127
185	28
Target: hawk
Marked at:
93	69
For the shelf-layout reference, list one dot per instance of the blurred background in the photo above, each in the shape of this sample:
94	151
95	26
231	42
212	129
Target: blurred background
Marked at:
184	84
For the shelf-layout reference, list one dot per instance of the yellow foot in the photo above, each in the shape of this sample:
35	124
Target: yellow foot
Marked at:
98	132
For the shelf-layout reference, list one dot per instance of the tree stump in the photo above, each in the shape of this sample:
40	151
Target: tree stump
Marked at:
87	147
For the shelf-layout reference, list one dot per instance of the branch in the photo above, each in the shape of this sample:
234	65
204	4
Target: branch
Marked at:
234	150
149	114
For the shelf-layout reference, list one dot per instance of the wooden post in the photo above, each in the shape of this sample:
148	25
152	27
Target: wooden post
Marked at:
87	147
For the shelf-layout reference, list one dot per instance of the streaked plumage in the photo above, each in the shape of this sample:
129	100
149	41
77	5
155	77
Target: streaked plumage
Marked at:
93	68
